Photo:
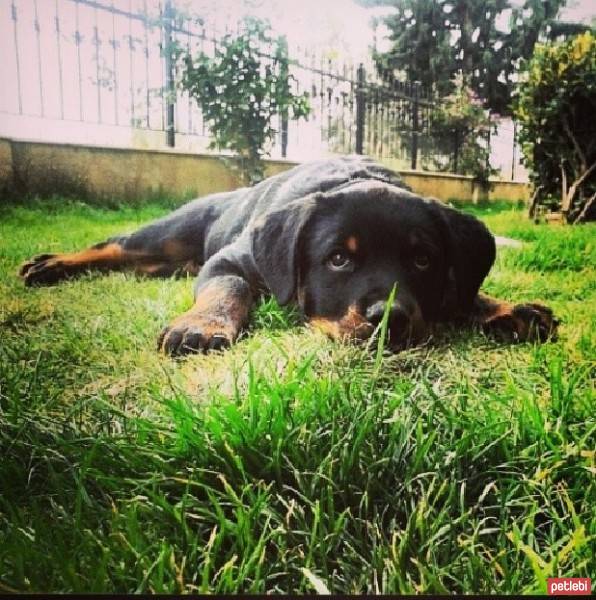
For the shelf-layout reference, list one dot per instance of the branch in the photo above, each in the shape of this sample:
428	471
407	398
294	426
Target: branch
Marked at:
568	201
564	196
534	202
584	212
582	156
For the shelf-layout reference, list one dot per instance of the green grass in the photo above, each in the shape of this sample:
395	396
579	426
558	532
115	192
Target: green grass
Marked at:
289	462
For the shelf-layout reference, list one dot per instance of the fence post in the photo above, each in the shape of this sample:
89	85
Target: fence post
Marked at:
360	109
455	149
513	157
488	141
415	125
169	67
284	72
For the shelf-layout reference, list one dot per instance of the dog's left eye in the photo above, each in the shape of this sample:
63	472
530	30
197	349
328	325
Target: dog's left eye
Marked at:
421	261
339	261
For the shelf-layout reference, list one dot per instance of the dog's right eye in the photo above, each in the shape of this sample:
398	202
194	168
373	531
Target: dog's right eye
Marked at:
339	261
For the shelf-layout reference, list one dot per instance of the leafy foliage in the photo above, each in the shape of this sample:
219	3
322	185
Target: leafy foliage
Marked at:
555	108
241	89
434	40
460	129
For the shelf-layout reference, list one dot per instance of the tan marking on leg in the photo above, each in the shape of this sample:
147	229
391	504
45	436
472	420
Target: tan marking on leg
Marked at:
166	269
491	308
51	268
516	322
47	269
113	255
108	254
216	317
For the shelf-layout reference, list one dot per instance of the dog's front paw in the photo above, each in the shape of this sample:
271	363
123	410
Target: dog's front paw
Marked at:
523	323
192	332
44	269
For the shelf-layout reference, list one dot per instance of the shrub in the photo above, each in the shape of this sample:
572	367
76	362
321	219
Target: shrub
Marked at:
555	107
241	89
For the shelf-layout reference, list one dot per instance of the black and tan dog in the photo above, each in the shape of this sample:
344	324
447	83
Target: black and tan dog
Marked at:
334	236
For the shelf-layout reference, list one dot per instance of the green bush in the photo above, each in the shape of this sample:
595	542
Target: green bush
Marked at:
240	90
555	108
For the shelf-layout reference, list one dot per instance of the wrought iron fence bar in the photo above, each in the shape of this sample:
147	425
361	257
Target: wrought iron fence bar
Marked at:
175	29
39	67
360	110
163	72
189	107
131	71
96	43
352	109
203	124
169	73
13	11
415	106
59	51
146	36
78	40
114	43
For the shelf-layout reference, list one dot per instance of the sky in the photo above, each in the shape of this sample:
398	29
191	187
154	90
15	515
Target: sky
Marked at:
582	11
342	24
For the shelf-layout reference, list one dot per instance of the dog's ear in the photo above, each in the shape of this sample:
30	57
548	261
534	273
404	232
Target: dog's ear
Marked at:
470	255
276	246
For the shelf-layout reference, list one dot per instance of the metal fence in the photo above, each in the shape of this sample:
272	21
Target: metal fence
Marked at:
106	65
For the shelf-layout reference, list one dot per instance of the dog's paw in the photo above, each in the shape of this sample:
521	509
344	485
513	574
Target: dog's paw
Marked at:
44	269
194	333
523	323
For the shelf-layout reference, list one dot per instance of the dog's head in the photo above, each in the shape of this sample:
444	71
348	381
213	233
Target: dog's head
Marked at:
339	254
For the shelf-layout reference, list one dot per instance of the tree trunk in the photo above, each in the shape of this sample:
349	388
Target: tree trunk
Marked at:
569	195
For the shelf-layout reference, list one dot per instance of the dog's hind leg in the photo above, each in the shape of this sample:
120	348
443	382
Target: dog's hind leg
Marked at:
116	254
162	248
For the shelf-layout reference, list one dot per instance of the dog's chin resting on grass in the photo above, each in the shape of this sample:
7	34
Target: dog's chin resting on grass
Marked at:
334	237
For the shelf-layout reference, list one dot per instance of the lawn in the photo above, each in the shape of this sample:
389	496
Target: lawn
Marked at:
289	463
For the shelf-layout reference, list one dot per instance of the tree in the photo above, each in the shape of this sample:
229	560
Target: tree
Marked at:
483	40
460	130
556	110
240	90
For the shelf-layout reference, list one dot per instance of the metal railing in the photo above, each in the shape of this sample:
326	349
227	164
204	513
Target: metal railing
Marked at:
107	64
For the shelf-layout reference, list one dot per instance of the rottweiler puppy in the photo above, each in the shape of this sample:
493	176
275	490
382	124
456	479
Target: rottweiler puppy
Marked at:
334	237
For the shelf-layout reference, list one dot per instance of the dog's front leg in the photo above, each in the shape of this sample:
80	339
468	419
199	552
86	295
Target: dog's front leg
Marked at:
223	299
514	322
220	311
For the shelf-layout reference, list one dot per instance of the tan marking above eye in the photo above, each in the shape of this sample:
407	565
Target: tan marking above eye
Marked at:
352	243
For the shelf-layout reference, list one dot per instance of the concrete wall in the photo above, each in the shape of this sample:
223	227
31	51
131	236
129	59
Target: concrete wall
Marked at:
6	178
446	186
98	173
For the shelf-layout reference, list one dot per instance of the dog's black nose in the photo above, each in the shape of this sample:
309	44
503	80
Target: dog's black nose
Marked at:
399	321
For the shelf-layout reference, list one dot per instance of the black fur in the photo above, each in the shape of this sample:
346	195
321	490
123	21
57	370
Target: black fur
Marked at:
286	237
